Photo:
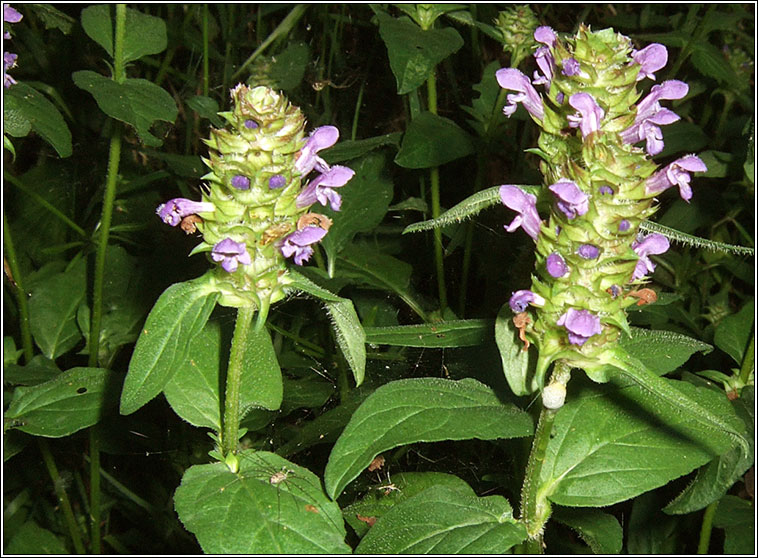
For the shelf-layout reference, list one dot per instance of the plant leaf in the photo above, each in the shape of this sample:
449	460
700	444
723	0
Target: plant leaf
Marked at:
516	362
291	516
177	318
137	102
431	141
454	333
74	400
444	520
415	410
143	34
28	108
601	531
696	241
733	333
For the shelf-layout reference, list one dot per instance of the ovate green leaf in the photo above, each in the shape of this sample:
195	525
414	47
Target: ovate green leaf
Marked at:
456	333
28	107
431	141
601	531
416	410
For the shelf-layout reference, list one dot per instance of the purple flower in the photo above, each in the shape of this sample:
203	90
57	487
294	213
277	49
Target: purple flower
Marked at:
521	299
241	182
571	200
624	225
676	173
173	211
299	243
650	115
588	251
556	266
230	254
525	205
652	244
605	190
9	61
320	138
10	15
545	61
545	35
590	113
321	188
580	324
571	67
652	58
251	124
514	80
277	181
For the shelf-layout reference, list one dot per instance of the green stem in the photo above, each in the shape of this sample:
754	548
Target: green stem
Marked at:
114	157
434	180
234	380
354	131
748	363
706	527
205	50
20	291
68	514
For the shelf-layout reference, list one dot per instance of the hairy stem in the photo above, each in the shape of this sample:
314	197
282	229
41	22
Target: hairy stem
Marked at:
234	381
434	180
706	527
20	291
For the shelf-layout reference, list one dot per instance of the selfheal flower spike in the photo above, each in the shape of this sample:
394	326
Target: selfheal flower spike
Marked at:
652	244
173	211
676	174
571	200
514	80
298	244
230	254
526	207
580	324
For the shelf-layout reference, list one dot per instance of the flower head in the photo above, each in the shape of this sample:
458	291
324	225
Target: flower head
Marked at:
590	113
580	324
652	244
651	115
321	188
173	211
556	265
651	59
676	173
514	80
230	254
545	61
571	200
526	207
521	299
298	243
320	138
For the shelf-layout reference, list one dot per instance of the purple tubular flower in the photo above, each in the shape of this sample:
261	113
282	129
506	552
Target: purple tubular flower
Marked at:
676	173
624	225
299	243
230	254
650	115
526	207
571	200
580	324
241	182
277	181
651	244
173	211
652	58
514	80
545	35
590	113
251	124
521	299
9	61
545	61
556	265
321	188
588	251
322	137
605	190
571	67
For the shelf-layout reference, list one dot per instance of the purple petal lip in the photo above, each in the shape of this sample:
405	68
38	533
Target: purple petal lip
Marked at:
11	15
676	173
521	299
173	211
299	243
652	58
513	80
590	113
545	35
320	188
588	251
652	244
321	138
580	324
571	200
525	205
545	61
230	254
556	266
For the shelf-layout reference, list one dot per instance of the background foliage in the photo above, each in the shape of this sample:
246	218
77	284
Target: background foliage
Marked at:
364	69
